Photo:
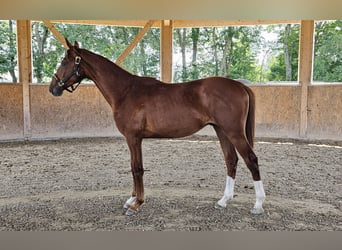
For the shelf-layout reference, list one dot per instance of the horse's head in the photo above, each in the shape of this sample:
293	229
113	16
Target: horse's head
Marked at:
69	74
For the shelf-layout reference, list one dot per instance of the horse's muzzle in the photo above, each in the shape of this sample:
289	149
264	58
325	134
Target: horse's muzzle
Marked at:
56	90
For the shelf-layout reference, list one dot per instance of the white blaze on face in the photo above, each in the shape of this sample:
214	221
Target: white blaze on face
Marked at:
228	192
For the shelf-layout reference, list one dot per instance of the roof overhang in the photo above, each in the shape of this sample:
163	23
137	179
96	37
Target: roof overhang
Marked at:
175	9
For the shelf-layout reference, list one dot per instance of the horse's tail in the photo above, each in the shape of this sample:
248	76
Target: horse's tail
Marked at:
250	123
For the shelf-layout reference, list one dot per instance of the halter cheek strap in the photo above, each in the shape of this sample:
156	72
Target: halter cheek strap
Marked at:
74	72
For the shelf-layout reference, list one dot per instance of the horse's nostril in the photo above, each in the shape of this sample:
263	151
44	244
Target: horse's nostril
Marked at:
55	91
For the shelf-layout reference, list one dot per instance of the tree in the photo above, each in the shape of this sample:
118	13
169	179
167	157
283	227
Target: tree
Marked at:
144	58
195	32
182	41
243	56
108	41
287	53
228	52
8	52
209	51
328	51
284	66
40	35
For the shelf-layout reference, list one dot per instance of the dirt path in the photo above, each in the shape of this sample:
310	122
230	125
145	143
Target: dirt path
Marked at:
82	184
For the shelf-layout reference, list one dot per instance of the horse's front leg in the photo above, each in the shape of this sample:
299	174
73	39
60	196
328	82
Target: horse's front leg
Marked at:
134	202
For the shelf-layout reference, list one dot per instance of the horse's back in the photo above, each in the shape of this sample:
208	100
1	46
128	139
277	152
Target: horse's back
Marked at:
223	83
203	94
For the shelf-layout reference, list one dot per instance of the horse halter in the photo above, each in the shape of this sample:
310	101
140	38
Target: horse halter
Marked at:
74	72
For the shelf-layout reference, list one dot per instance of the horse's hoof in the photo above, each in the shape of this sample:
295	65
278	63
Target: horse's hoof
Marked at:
218	206
131	212
257	211
124	210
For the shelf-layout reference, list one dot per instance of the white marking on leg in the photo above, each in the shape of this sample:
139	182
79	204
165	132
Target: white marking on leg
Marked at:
130	201
259	198
228	192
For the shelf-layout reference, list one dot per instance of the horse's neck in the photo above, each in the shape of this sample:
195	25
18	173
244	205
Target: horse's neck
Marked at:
110	79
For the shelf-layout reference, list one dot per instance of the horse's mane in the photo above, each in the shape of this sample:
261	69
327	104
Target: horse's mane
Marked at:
106	60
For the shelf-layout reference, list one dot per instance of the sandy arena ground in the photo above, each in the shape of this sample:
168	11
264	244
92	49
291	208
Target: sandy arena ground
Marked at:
81	184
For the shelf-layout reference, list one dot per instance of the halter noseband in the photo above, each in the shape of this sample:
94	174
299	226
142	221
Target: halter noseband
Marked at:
74	72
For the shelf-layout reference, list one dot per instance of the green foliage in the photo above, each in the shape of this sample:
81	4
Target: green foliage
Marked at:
278	63
111	41
240	52
46	52
144	58
108	41
220	52
328	51
8	51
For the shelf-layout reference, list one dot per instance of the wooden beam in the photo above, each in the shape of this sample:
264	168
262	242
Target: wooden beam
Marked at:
166	50
25	71
305	69
225	23
56	33
135	41
119	23
178	23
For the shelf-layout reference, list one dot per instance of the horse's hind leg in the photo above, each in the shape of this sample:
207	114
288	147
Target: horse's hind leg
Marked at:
251	160
231	160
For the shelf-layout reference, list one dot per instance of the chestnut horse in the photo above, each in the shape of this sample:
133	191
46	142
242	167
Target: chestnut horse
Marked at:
144	107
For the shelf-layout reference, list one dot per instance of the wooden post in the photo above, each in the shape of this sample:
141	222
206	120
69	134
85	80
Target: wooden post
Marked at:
305	69
25	71
166	30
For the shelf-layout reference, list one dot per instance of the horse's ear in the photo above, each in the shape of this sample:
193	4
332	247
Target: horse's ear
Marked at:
68	43
76	45
70	46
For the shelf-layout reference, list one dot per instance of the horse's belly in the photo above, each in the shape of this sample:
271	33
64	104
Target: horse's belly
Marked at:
173	126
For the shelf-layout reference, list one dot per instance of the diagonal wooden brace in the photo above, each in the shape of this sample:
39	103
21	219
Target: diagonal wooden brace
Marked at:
56	33
135	41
